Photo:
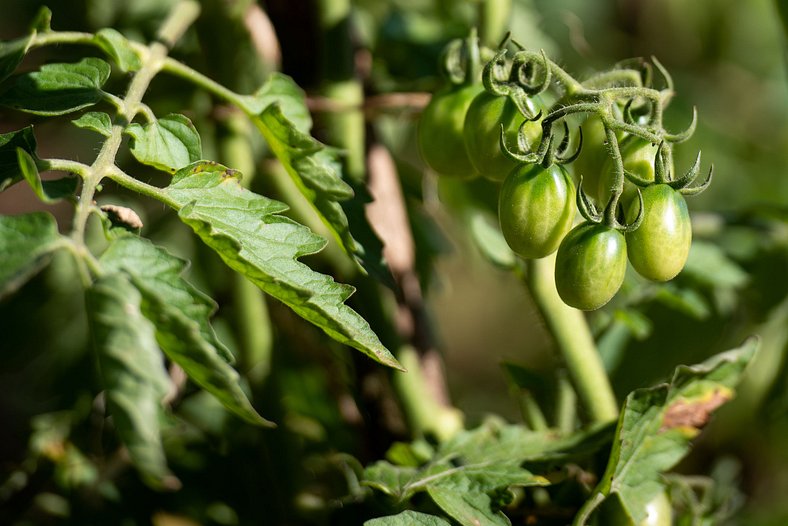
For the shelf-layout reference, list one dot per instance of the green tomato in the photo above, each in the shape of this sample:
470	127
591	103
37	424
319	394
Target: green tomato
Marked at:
440	132
659	248
590	265
638	157
593	156
536	207
659	512
482	132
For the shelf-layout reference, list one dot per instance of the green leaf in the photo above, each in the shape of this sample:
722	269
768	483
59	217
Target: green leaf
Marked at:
246	230
281	89
47	191
169	143
96	121
408	518
12	53
279	111
467	507
657	425
42	22
58	89
488	238
132	371
26	242
118	49
180	313
10	172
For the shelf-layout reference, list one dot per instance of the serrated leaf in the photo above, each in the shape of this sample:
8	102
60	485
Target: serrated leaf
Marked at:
281	89
180	313
118	49
169	143
12	53
132	371
10	172
48	191
246	230
408	518
26	242
279	111
58	89
96	121
469	508
657	425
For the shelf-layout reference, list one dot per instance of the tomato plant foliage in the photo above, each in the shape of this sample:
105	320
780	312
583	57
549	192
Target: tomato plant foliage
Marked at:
223	287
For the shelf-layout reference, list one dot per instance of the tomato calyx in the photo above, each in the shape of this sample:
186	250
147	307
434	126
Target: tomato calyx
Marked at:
461	60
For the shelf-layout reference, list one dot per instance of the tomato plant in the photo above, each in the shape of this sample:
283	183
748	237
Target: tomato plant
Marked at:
536	207
243	251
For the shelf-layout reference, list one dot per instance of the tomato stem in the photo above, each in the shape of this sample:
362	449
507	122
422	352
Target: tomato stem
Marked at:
575	343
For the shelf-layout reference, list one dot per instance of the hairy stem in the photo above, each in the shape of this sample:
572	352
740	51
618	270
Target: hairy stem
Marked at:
181	17
575	343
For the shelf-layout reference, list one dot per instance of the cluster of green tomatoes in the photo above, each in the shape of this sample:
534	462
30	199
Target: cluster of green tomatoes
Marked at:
503	130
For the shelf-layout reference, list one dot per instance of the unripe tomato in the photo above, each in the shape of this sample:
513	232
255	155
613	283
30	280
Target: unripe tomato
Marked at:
659	512
590	265
482	132
638	157
593	157
536	207
659	248
440	134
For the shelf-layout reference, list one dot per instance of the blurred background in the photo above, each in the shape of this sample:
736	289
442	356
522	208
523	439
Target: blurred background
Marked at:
727	58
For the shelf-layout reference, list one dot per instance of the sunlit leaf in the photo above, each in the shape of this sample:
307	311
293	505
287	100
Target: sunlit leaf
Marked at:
26	242
57	89
246	230
132	371
118	49
408	518
180	313
169	143
96	121
279	111
657	425
469	508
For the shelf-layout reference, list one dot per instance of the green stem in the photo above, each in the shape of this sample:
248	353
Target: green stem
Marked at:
181	17
575	343
129	182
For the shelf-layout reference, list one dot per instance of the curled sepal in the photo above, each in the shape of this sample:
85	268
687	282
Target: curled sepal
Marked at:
585	206
460	59
495	75
661	172
634	225
521	154
526	67
635	116
665	74
524	105
561	157
640	65
686	134
695	190
687	179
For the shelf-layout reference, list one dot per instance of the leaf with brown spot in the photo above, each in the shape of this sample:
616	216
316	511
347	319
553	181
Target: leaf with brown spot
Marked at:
657	425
